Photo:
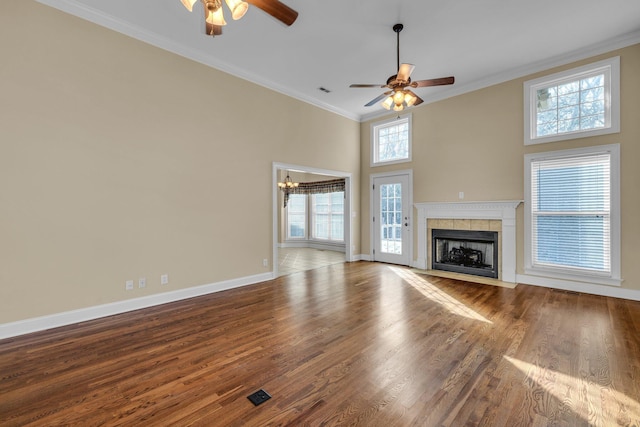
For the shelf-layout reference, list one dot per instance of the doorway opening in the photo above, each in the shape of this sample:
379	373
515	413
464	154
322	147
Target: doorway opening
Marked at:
313	230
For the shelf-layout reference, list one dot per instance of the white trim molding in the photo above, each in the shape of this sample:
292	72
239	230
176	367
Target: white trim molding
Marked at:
21	327
577	286
501	210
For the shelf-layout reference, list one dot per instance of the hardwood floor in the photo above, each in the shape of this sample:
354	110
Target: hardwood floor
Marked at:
348	344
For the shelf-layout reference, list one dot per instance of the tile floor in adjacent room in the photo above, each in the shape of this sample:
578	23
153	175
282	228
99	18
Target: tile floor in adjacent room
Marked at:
293	260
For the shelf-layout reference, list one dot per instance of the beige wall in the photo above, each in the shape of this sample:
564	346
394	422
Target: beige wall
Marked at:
119	160
474	143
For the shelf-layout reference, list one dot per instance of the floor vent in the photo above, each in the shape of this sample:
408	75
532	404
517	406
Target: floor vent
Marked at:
259	397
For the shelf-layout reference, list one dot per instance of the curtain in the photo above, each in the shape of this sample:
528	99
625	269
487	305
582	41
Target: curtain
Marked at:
330	186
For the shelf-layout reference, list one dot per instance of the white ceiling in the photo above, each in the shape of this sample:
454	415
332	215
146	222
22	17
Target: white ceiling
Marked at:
335	43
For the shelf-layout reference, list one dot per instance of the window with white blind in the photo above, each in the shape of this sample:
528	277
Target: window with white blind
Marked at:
391	141
572	214
576	103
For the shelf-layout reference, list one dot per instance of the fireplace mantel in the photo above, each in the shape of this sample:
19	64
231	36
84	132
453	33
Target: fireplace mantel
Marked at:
503	210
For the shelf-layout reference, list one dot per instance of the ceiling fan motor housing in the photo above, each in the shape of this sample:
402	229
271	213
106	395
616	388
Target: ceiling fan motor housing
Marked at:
213	5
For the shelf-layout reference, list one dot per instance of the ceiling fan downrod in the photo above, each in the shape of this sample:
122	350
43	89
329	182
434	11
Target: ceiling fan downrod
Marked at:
397	28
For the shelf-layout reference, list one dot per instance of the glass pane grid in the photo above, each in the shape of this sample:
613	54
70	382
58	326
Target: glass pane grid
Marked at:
328	216
391	218
571	106
392	142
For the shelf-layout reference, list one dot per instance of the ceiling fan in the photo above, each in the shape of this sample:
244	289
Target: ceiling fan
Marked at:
399	96
214	18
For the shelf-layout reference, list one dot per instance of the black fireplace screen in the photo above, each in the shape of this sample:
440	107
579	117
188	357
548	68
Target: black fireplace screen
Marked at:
464	251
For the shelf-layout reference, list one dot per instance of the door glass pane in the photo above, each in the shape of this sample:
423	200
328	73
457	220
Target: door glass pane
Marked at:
391	218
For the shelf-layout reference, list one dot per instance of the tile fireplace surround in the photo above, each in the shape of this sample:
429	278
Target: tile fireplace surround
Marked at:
505	211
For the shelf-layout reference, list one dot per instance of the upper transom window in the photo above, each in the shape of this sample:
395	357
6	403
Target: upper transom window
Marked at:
391	141
573	104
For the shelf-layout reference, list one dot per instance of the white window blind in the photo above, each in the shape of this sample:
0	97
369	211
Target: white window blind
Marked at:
571	213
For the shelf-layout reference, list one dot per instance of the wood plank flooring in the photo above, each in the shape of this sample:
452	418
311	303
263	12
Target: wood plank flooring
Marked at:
348	344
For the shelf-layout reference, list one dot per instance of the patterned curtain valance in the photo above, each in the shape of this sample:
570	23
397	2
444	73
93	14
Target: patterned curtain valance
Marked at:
331	186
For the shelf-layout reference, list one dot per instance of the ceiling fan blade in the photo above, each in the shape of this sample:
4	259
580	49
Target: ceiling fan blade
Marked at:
418	100
404	72
213	30
278	10
363	85
433	82
378	98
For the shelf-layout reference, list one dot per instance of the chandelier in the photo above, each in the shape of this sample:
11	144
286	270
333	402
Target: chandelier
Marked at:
213	10
287	184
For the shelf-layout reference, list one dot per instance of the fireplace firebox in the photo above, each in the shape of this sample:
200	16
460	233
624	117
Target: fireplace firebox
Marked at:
465	251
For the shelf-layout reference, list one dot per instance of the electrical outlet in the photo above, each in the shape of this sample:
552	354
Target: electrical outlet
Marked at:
164	279
142	282
265	262
461	195
128	285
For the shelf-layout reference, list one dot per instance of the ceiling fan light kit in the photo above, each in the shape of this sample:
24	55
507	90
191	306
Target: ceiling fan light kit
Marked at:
214	16
189	4
399	97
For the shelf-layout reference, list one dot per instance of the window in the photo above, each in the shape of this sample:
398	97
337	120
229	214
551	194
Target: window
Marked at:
391	141
573	104
572	214
297	216
328	216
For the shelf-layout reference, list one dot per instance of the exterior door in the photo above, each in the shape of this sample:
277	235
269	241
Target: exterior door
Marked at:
391	220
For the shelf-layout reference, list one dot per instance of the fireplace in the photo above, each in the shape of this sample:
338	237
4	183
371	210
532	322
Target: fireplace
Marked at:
497	216
465	251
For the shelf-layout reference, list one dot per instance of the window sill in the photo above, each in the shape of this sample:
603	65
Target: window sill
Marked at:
571	135
585	278
390	162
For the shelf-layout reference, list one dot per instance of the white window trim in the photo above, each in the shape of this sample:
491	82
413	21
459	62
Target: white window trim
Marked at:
610	66
612	279
374	140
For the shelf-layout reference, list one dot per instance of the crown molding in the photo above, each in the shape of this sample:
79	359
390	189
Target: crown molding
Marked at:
80	10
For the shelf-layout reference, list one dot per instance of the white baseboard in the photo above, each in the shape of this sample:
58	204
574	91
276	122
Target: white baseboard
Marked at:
587	288
21	327
336	247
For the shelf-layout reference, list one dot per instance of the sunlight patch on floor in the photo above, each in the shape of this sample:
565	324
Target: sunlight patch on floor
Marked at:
597	404
436	295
